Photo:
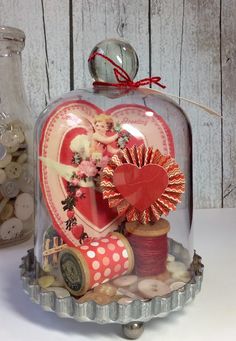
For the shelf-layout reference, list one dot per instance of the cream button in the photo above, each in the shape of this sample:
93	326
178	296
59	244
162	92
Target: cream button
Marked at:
24	206
20	135
13	170
176	267
10	138
177	285
25	181
9	189
59	292
125	281
7	212
11	229
127	293
13	149
150	288
3	176
170	258
5	161
22	158
3	151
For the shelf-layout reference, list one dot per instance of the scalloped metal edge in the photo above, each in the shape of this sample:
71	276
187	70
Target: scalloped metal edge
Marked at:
138	311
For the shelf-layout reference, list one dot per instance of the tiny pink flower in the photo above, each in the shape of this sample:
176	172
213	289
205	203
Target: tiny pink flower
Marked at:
103	162
78	193
75	182
88	168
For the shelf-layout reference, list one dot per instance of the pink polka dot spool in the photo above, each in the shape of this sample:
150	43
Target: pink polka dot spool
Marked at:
95	262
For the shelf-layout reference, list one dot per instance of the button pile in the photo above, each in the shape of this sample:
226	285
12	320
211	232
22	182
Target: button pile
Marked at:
125	289
16	183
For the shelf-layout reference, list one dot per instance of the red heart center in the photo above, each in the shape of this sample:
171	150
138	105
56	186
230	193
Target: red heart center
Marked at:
141	187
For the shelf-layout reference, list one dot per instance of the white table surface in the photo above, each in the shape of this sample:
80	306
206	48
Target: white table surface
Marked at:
210	317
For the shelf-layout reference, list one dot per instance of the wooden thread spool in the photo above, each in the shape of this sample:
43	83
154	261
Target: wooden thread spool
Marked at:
95	262
150	247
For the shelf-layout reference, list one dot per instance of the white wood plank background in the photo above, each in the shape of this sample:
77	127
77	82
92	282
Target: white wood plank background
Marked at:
190	43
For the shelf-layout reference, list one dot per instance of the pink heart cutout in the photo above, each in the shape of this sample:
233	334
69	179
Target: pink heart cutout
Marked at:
93	212
141	187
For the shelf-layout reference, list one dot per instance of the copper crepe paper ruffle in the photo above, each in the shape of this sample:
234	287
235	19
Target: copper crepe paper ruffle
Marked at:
142	156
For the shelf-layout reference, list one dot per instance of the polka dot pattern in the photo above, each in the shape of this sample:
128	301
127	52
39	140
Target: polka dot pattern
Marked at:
116	257
101	250
107	272
96	265
91	254
111	247
84	247
94	243
97	276
106	259
125	253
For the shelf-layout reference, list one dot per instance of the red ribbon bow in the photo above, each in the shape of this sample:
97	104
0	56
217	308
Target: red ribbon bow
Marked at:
122	76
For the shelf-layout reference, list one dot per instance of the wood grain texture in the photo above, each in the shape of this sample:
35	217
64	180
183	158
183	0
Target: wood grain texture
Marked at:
46	55
95	20
166	21
228	39
200	80
189	43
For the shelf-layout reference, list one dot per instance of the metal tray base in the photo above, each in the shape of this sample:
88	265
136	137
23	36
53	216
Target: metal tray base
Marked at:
132	315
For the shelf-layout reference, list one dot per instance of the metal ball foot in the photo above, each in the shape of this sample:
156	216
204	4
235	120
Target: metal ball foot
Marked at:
133	330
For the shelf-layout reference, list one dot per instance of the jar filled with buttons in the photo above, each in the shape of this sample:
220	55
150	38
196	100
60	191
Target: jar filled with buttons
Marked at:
16	137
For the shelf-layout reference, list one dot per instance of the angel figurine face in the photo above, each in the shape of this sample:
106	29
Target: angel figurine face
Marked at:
100	127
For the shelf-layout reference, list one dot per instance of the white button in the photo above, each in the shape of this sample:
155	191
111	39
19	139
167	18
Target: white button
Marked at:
9	189
177	285
3	151
13	149
20	135
5	161
125	281
10	138
7	212
13	170
3	176
24	206
150	288
22	158
11	229
176	267
25	181
170	258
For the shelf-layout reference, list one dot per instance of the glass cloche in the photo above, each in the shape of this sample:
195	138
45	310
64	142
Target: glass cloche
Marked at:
114	196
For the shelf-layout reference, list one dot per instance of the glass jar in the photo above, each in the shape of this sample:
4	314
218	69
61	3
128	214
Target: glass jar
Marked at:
112	161
16	137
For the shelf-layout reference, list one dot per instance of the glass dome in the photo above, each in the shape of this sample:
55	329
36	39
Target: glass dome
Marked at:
113	189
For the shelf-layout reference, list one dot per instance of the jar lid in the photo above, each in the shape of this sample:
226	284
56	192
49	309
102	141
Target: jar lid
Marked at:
11	40
118	51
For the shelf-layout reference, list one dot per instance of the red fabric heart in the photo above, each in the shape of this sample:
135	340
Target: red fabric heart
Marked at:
141	187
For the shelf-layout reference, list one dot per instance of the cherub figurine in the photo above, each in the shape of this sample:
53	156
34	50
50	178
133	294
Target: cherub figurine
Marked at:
96	145
101	141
